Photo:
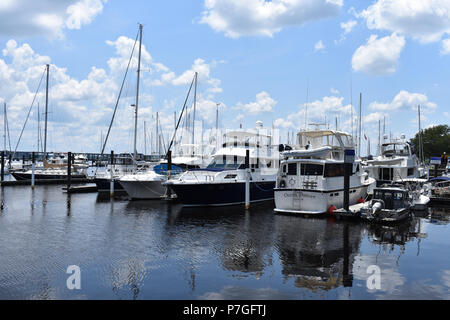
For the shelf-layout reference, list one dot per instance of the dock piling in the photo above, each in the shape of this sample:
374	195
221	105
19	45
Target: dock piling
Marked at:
111	184
247	180
3	167
32	170
69	170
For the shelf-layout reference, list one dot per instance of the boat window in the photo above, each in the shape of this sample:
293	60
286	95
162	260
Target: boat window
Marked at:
334	170
224	164
398	196
310	169
292	169
230	176
410	171
284	168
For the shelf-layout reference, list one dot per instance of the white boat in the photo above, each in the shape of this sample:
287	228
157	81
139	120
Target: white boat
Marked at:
389	204
222	182
144	185
396	163
311	176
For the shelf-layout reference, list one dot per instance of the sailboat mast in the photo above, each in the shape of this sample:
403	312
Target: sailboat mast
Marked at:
38	127
421	157
145	139
359	135
46	114
4	126
193	118
137	92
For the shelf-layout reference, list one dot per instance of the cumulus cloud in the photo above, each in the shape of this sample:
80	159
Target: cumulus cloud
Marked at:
46	17
319	46
445	46
379	56
348	26
238	18
426	21
405	100
81	108
264	103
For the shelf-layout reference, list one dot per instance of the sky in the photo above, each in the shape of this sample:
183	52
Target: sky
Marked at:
272	61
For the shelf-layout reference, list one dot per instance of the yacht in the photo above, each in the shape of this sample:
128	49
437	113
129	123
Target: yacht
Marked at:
222	182
148	184
311	175
396	163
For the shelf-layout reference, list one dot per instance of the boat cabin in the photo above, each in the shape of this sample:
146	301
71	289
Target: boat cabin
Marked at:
393	198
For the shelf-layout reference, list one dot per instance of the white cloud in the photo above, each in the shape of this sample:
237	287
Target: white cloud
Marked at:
46	17
238	18
405	100
379	56
319	46
348	26
263	103
283	123
334	91
426	21
80	108
445	46
83	12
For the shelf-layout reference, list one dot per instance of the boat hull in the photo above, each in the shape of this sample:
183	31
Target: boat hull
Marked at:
21	176
222	194
104	185
314	202
141	190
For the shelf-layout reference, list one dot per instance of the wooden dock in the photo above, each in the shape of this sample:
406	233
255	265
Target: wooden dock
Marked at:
353	211
81	189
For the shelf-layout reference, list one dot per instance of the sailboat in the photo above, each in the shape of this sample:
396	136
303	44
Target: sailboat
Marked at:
55	169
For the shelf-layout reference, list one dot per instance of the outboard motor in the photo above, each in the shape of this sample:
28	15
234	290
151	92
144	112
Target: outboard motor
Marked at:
284	147
376	207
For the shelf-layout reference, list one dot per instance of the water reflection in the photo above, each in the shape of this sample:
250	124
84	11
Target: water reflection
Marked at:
317	253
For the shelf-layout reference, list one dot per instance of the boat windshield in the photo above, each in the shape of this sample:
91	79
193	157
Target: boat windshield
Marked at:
230	164
392	149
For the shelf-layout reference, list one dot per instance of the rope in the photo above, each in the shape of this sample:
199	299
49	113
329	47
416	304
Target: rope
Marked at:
28	115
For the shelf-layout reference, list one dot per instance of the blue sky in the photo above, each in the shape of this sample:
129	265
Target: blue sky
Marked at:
257	58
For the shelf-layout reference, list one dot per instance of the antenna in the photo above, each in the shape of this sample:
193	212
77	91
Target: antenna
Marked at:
306	105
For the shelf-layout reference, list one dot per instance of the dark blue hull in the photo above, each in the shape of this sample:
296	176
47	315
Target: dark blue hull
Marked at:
103	185
21	176
222	194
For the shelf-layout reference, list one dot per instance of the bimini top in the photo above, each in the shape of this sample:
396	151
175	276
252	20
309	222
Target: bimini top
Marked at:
322	133
240	134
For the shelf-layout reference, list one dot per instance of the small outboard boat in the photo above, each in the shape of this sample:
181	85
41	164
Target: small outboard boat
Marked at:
389	204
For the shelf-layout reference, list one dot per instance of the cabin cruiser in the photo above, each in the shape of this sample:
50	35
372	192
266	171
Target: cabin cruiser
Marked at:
311	175
148	184
397	162
123	165
223	181
389	204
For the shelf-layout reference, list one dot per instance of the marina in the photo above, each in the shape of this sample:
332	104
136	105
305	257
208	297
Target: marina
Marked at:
224	150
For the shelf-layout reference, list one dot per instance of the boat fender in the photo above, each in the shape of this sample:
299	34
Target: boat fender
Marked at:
360	200
331	210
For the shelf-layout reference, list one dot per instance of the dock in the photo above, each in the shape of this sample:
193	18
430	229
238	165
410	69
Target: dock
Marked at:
81	189
353	211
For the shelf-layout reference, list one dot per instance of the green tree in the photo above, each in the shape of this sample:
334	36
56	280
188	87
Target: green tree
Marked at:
436	141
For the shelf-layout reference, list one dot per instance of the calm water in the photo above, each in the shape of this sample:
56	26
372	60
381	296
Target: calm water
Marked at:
154	250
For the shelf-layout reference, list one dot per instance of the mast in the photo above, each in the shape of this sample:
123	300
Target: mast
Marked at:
4	126
421	157
137	92
38	127
193	118
359	135
379	137
46	114
306	106
157	135
351	102
145	139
